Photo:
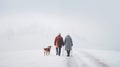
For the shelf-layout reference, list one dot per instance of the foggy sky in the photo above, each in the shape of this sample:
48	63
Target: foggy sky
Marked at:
27	24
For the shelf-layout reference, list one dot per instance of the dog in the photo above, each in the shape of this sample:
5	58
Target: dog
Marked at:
47	50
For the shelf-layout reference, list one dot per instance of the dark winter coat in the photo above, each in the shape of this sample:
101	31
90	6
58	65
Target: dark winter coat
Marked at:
58	42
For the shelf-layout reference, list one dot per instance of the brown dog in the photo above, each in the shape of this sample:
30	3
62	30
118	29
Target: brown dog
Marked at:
47	50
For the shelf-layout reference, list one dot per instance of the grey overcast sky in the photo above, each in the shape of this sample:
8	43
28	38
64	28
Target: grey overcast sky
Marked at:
94	23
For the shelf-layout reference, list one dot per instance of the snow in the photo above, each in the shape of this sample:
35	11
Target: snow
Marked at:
26	29
109	57
78	58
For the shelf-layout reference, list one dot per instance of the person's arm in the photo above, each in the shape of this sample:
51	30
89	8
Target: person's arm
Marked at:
62	42
55	41
71	42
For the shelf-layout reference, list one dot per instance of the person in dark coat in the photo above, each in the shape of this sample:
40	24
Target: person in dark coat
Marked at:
68	44
58	43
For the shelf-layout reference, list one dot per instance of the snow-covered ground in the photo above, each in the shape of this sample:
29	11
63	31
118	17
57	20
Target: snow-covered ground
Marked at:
27	26
79	58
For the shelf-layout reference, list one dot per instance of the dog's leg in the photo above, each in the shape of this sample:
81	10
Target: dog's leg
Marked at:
47	53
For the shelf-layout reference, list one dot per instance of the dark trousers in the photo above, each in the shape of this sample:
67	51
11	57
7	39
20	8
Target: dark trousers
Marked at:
58	51
68	52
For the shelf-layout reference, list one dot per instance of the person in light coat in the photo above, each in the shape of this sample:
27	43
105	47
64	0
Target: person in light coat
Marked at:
68	44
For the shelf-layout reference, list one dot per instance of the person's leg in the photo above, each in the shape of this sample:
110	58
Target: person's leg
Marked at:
56	51
59	51
68	52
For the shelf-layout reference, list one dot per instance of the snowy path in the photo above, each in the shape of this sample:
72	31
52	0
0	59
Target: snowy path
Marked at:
87	60
35	58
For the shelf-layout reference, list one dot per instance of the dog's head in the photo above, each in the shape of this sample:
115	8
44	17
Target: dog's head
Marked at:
49	46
